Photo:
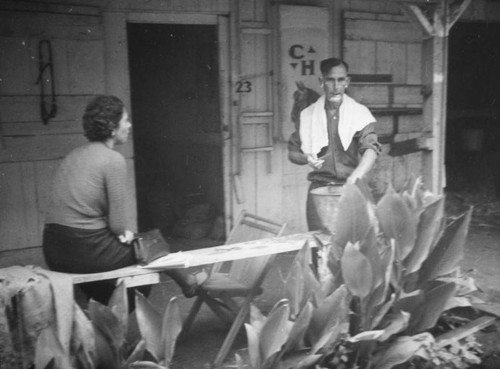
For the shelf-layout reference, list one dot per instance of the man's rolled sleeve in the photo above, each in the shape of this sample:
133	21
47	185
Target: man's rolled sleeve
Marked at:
369	140
294	142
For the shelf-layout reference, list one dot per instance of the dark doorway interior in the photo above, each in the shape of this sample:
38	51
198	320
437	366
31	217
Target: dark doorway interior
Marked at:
473	126
176	128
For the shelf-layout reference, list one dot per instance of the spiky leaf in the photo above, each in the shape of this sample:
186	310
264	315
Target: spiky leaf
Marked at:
299	328
274	332
107	323
397	222
118	303
150	323
146	365
253	346
294	287
328	337
82	339
353	220
171	327
367	336
333	309
449	250
357	271
257	319
400	351
429	226
137	353
368	246
436	297
394	323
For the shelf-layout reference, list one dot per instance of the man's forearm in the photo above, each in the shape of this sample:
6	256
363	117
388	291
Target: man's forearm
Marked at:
297	157
365	165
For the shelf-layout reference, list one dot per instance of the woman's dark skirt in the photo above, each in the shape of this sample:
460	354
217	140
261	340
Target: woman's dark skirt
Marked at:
76	250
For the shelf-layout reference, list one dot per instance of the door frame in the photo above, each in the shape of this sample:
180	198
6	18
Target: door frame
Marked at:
117	78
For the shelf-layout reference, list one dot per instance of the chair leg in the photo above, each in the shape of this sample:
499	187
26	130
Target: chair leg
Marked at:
186	326
235	327
222	311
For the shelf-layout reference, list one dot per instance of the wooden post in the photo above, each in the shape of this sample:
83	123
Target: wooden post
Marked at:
435	66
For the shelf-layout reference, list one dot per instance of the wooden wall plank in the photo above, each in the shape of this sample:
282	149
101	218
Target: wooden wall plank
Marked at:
408	95
33	148
86	66
360	55
249	181
391	59
379	6
293	199
370	94
50	26
44	174
78	66
19	215
385	125
378	30
188	6
46	147
255	69
18	66
37	128
253	10
269	186
27	108
414	63
30	256
30	6
410	123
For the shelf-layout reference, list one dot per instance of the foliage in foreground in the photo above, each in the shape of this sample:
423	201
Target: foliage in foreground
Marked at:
42	326
382	282
158	334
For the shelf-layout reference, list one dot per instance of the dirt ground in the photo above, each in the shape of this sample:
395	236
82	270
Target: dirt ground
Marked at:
482	261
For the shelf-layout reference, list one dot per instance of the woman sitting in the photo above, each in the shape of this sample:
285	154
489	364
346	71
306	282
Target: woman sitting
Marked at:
86	228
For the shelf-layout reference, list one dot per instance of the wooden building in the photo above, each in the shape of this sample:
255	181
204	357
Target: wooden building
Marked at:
210	84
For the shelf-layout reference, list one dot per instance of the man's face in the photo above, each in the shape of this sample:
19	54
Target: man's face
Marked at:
334	84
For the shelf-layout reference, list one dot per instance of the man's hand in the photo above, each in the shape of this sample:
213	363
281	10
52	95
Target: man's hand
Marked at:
351	180
313	161
126	237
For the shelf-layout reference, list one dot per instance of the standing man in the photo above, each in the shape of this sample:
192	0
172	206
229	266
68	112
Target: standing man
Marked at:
336	136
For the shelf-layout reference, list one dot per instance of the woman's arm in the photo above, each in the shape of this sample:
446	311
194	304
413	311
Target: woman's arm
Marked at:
116	182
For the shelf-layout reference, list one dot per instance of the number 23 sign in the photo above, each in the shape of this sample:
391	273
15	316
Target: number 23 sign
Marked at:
243	86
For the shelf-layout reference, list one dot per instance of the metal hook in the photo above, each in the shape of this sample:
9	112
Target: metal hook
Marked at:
44	65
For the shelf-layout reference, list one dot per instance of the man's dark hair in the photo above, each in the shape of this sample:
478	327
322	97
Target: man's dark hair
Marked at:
329	63
101	117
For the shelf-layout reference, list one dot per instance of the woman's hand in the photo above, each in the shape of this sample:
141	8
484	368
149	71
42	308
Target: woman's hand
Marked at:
126	237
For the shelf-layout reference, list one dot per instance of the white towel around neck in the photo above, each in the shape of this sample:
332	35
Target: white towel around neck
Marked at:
353	117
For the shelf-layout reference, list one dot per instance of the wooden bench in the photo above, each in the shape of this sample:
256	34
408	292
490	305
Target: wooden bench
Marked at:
132	276
135	275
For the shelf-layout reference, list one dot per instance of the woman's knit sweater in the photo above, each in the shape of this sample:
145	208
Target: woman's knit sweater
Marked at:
89	190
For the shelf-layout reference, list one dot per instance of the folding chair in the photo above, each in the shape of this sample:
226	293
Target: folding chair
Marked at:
241	278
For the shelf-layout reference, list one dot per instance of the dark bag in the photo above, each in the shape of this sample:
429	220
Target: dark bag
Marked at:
149	246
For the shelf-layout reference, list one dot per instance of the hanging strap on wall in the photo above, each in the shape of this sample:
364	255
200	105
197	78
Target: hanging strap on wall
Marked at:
46	76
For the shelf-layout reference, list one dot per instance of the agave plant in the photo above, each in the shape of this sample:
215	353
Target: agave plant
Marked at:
159	333
382	282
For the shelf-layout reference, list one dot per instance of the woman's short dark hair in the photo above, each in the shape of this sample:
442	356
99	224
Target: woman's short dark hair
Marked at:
101	117
328	64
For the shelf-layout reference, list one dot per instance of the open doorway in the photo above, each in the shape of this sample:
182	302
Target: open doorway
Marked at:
177	131
473	110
